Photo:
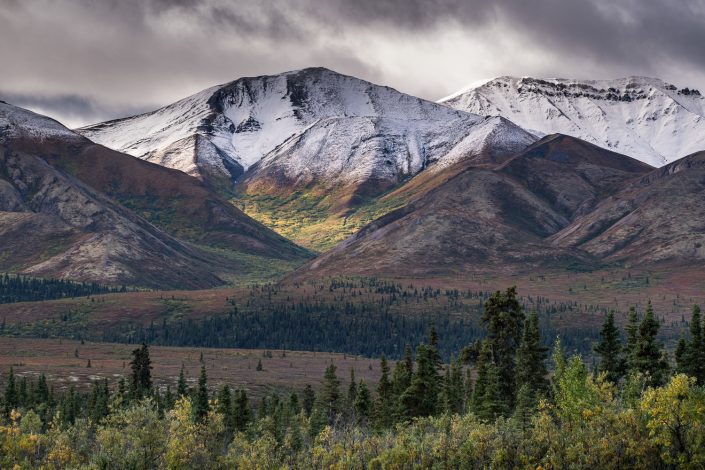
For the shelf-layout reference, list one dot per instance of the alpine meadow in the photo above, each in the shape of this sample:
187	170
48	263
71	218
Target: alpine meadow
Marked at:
352	235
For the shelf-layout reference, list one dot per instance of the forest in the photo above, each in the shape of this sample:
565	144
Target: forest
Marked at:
500	402
360	316
17	288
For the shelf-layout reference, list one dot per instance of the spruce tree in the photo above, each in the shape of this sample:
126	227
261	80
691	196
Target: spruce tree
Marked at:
434	354
384	406
362	403
352	388
649	355
401	380
11	398
200	402
225	408
632	330
421	397
681	355
494	402
610	350
309	398
503	317
453	388
483	362
695	351
330	394
241	411
181	389
531	359
141	378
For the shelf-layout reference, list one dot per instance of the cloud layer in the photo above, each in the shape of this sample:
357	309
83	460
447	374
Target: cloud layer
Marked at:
83	61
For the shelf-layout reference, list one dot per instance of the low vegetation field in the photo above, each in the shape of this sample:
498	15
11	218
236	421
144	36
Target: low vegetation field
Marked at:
65	362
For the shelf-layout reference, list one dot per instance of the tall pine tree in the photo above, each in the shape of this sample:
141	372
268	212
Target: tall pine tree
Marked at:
531	360
610	350
384	405
200	401
649	356
503	317
694	359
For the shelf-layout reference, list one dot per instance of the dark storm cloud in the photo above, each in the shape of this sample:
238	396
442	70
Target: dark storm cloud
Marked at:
133	54
73	107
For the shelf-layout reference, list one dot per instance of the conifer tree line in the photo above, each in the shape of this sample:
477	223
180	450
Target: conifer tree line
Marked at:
19	288
492	405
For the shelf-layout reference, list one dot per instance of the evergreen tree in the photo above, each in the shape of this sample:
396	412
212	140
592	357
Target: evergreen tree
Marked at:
181	389
401	380
200	402
309	399
384	406
241	411
681	353
525	407
352	388
504	320
141	378
695	352
11	398
169	399
362	403
483	361
494	402
453	388
421	397
649	356
225	407
610	350
531	359
434	354
330	394
632	330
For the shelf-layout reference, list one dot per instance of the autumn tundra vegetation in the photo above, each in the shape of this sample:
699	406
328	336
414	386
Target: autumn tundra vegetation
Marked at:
500	402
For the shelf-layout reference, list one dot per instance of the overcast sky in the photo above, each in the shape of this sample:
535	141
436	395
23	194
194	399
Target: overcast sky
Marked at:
83	61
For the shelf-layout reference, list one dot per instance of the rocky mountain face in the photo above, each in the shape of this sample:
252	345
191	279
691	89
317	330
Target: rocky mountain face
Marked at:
71	208
511	176
297	127
658	218
511	218
645	118
311	145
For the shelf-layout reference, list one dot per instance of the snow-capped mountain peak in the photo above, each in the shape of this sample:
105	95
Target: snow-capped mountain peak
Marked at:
645	118
310	124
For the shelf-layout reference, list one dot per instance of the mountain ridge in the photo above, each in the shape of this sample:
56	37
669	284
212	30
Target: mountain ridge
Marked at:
645	118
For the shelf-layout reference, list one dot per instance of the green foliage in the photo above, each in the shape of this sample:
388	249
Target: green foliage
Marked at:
531	360
693	360
503	317
587	421
330	399
648	356
610	350
27	289
141	377
201	406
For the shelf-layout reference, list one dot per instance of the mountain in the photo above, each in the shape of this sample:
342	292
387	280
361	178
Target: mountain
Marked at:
658	218
307	147
645	118
489	220
71	208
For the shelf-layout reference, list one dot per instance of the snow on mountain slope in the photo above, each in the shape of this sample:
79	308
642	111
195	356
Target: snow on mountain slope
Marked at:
644	118
312	123
19	122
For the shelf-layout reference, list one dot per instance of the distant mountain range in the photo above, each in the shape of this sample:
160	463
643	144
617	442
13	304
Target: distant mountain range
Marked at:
645	118
514	175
